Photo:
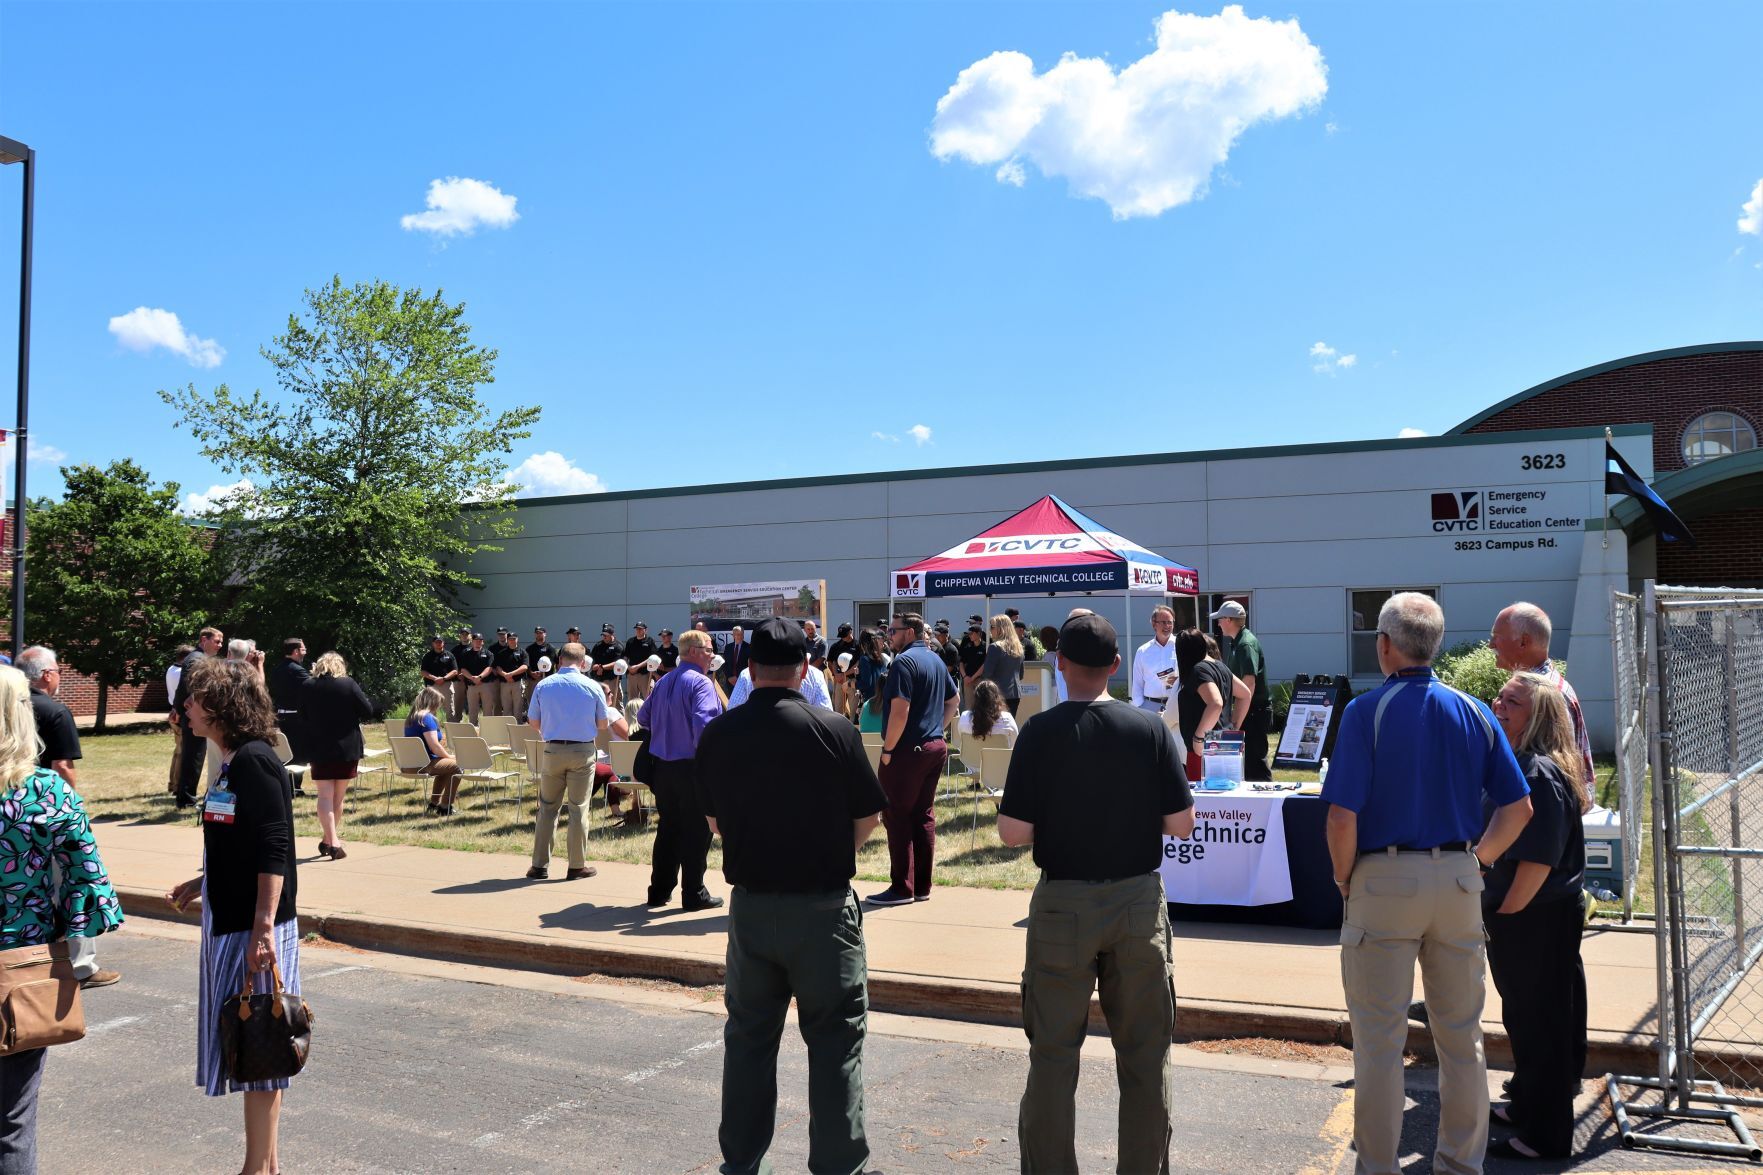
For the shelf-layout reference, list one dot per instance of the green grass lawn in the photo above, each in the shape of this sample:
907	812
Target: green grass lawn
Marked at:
123	777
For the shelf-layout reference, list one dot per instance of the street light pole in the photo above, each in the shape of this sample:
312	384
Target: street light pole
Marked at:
12	151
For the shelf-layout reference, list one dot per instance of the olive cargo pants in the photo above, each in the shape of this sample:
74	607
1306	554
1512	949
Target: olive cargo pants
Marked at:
1082	934
809	946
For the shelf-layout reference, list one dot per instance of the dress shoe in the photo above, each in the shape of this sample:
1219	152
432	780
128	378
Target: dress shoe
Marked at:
338	852
578	874
537	873
707	901
324	850
101	979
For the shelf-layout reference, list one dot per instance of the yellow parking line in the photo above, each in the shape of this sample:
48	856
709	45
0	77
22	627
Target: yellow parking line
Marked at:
1337	1135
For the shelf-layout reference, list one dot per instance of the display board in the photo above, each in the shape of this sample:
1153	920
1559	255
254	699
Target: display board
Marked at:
1312	721
722	605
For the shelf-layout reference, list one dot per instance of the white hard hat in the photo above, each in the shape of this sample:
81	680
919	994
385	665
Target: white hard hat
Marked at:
844	661
544	664
621	666
653	663
716	662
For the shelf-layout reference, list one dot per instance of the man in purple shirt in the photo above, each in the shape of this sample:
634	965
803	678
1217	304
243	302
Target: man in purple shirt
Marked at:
681	706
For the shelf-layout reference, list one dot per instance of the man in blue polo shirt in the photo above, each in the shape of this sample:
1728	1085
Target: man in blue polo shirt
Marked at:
1412	761
919	699
568	711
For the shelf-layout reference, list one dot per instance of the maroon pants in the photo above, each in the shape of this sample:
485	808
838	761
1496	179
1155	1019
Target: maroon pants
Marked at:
909	779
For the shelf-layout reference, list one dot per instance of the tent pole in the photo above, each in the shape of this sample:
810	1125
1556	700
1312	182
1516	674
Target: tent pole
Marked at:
1127	595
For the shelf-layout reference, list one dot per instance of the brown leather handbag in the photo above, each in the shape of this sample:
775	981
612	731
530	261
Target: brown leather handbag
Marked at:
39	998
264	1036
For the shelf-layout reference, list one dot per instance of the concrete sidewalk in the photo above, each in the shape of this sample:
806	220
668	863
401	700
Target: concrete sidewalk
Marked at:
958	955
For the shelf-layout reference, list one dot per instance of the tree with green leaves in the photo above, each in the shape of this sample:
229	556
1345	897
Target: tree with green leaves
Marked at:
116	578
354	523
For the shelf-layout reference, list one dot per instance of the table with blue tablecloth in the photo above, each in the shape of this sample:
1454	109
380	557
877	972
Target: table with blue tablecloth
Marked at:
1255	857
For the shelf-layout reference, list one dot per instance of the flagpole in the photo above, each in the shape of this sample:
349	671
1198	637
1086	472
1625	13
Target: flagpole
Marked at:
1608	439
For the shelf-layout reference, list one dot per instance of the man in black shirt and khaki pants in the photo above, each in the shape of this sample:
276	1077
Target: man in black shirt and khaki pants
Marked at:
1095	785
789	789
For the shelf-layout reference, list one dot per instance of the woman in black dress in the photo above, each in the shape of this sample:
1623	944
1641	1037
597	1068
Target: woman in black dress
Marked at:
1533	915
1207	696
332	709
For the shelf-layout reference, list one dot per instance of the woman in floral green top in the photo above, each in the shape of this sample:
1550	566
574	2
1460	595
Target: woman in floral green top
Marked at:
42	825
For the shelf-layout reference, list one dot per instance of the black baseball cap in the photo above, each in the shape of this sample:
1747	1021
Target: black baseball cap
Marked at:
465	628
667	632
1089	641
606	628
1019	623
777	641
976	618
436	637
844	630
639	624
572	628
477	636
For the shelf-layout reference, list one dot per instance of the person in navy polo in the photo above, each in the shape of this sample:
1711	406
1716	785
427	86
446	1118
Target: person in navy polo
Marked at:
919	700
1411	765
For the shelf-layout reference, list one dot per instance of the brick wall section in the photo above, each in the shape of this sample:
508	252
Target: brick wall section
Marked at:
1728	552
1665	393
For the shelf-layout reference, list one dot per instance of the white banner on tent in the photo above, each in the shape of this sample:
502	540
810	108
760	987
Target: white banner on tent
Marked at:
1237	856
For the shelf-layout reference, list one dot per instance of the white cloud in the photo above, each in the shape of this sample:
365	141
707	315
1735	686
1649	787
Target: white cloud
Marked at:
545	474
920	434
216	497
1330	127
459	206
43	456
1752	220
1409	434
1147	138
889	437
142	329
1327	360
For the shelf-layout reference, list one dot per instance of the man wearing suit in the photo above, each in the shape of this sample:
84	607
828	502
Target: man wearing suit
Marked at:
195	747
736	656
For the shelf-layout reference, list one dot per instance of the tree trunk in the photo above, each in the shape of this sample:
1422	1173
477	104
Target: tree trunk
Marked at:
103	706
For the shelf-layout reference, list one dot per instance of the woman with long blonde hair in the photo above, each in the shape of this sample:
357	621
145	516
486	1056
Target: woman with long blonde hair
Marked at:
332	709
1531	907
1003	667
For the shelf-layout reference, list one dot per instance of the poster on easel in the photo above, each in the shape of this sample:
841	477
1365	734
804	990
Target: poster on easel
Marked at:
1311	723
722	606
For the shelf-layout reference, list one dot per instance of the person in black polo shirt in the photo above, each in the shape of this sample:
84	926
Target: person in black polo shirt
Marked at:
541	647
1095	785
788	788
602	657
919	700
637	652
838	679
458	691
667	651
475	670
440	668
816	645
509	660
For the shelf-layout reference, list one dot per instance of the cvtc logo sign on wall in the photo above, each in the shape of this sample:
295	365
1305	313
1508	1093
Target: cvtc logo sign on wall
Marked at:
1458	510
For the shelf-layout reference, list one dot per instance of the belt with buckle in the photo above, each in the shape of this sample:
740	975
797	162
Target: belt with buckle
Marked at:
1165	701
567	742
1456	846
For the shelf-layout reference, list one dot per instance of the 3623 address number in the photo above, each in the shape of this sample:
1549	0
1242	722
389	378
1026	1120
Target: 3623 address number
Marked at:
1543	461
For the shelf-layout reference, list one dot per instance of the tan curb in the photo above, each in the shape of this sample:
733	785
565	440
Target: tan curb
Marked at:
896	992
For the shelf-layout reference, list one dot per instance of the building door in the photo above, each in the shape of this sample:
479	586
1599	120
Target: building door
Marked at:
875	613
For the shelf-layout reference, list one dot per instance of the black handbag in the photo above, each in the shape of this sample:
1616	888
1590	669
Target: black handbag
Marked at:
643	765
264	1036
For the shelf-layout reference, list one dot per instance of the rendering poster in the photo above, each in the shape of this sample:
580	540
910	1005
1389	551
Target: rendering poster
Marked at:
1307	726
721	606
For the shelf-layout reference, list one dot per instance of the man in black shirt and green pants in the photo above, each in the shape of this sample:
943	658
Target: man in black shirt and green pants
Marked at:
789	789
1095	785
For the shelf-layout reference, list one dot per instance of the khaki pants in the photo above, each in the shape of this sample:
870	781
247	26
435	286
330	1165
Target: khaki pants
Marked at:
480	699
568	769
1081	935
636	685
509	699
459	697
1402	907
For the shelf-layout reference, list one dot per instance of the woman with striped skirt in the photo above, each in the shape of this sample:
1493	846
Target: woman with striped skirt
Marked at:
248	882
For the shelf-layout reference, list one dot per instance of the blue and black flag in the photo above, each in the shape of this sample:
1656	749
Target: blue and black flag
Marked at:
1620	478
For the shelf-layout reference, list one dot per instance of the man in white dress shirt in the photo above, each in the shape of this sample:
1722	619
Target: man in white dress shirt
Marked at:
813	688
1153	666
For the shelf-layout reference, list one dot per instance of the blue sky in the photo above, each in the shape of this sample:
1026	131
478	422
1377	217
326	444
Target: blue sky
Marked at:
731	216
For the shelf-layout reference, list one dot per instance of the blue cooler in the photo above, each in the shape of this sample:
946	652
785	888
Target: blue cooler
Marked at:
1603	850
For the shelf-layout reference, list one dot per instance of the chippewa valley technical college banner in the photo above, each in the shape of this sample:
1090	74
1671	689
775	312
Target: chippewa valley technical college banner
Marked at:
1236	857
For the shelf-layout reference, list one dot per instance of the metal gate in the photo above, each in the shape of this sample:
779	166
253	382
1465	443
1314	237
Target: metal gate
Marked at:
1697	656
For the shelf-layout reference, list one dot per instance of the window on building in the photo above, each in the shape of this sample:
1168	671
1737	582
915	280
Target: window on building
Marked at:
1717	434
1210	601
1363	605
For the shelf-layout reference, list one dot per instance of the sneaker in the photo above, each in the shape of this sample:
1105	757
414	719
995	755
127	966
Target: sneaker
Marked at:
890	897
101	979
921	897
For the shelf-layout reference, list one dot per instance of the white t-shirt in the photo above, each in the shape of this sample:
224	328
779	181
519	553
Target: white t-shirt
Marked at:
1005	725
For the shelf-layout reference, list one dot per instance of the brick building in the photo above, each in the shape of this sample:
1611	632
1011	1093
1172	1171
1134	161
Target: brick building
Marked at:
1705	408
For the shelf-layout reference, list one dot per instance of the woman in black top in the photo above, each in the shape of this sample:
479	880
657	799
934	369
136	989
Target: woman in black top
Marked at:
1532	909
248	882
332	709
1208	690
1003	665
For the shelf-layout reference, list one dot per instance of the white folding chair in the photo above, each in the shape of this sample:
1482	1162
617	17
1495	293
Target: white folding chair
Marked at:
994	768
622	755
498	731
285	753
410	758
873	750
476	762
872	738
